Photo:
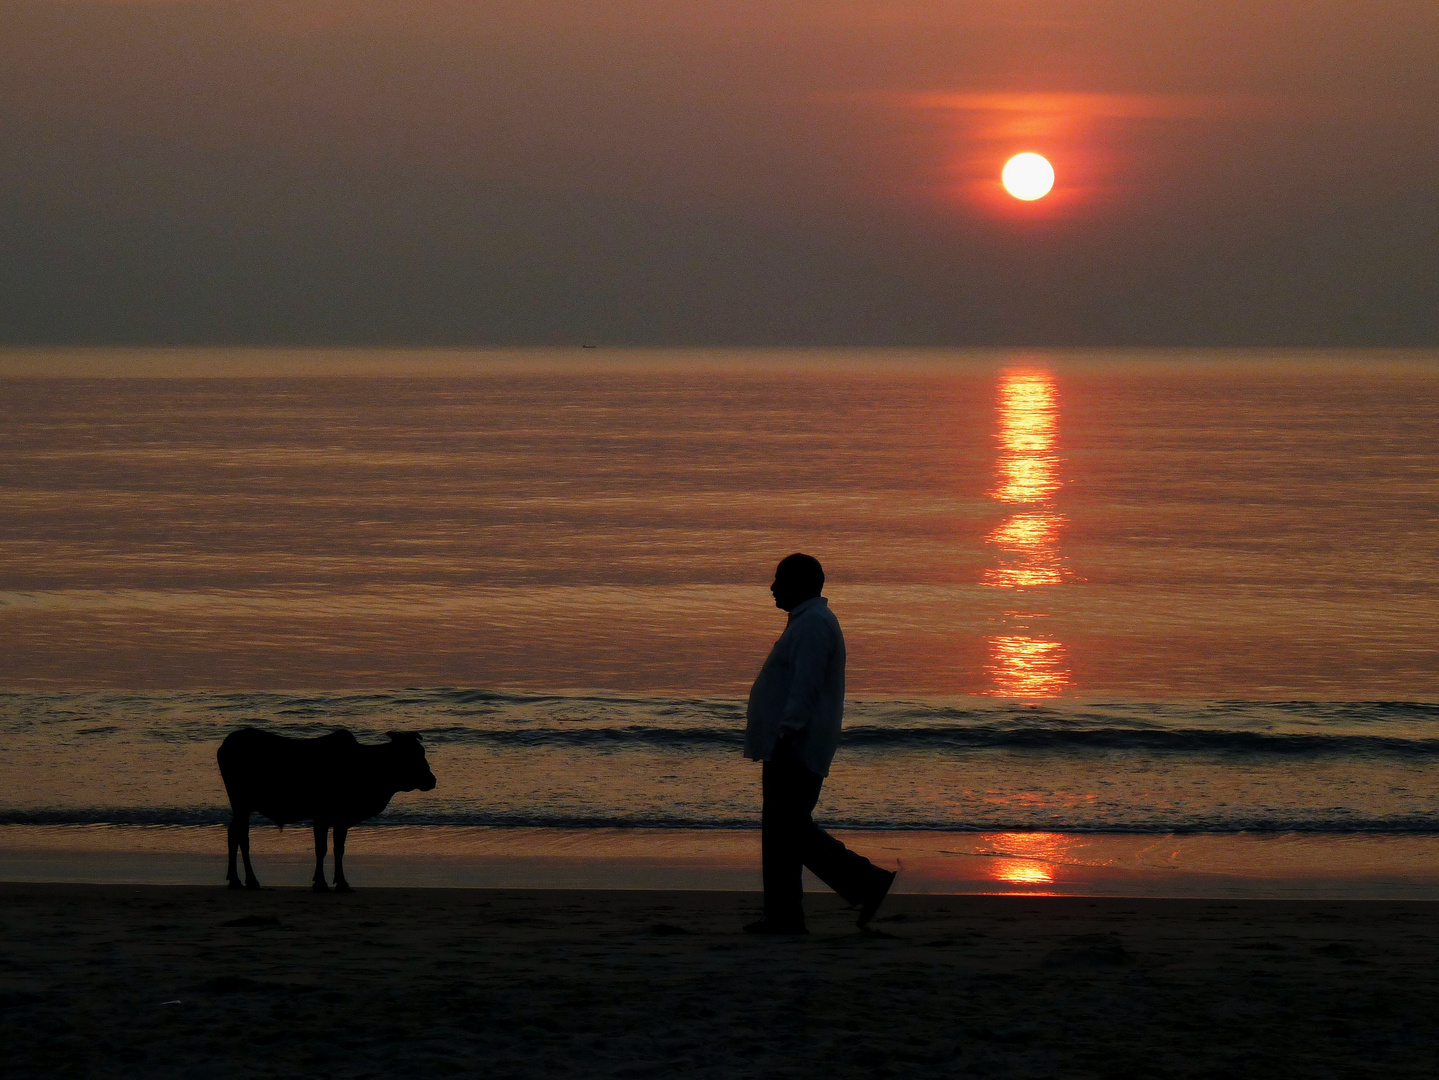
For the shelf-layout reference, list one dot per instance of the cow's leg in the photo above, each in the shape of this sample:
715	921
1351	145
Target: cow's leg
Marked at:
239	836
341	885
251	881
234	843
321	831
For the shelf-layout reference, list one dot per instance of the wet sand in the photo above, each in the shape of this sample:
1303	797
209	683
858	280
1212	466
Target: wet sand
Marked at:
1237	866
129	980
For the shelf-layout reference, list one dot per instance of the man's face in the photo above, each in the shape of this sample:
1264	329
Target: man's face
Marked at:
787	595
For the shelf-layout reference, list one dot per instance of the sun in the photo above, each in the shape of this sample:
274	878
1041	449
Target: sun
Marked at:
1027	177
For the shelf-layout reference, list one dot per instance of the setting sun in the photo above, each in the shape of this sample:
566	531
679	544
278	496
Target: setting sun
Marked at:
1028	177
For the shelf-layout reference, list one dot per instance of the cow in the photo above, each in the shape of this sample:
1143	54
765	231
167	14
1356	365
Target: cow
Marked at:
332	781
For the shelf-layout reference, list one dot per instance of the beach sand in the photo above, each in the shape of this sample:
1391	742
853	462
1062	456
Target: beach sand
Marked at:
160	981
1238	866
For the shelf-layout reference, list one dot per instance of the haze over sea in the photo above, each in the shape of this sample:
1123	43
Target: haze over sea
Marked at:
1141	593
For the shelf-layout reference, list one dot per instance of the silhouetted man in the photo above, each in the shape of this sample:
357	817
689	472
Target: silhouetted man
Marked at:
795	709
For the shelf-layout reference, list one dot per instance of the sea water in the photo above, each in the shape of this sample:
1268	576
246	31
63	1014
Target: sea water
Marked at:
1131	593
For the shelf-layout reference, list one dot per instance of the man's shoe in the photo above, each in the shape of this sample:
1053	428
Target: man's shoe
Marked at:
765	926
871	904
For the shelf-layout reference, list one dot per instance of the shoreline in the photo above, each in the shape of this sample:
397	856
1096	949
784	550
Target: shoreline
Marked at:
1269	866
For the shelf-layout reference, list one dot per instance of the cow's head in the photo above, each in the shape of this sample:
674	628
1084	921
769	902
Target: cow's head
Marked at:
411	769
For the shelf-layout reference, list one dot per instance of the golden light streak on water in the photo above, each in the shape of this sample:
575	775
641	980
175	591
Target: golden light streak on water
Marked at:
1021	577
1030	859
1018	872
1029	545
1028	467
1021	664
1028	667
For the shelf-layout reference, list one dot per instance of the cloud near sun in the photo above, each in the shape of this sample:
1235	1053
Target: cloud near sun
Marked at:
1074	131
1091	106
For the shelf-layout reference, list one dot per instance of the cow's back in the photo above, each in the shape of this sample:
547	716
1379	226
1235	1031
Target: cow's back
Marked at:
284	779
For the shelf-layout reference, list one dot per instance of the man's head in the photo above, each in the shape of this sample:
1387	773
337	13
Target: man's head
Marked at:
797	578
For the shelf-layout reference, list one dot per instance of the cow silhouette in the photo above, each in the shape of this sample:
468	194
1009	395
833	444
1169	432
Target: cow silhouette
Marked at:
332	781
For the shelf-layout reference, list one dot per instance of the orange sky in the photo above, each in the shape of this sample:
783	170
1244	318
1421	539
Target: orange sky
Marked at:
476	172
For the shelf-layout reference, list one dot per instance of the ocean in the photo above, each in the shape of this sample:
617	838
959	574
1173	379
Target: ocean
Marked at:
1150	593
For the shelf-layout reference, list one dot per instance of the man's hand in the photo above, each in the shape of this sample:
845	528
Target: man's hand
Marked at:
783	749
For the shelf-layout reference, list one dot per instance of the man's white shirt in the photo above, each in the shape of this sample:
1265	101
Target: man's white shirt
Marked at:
800	690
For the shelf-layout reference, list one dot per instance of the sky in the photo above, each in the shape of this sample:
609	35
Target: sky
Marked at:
1230	172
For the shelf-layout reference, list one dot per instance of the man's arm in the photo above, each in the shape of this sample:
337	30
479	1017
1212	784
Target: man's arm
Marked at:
812	650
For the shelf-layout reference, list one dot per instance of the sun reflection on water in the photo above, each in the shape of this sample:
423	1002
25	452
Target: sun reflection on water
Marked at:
1028	667
1028	466
1022	664
1022	872
1026	859
1028	543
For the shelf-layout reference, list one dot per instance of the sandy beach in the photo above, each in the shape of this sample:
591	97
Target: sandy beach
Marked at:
128	980
1282	867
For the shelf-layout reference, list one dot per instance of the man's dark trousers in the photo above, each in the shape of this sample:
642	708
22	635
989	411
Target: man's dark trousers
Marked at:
792	841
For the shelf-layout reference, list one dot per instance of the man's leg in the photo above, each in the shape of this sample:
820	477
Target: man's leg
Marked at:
846	872
783	822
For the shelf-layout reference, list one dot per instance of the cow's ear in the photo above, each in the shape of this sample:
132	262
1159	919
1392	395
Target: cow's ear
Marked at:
400	736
